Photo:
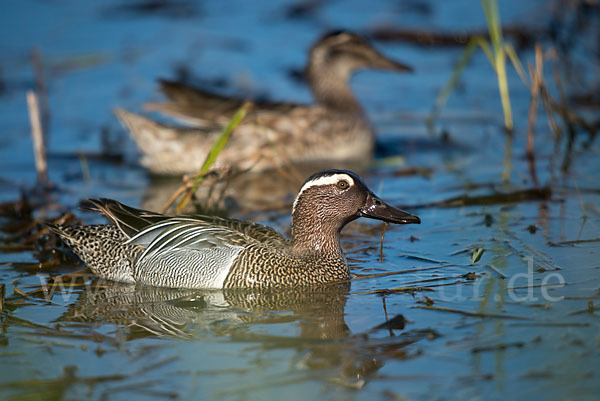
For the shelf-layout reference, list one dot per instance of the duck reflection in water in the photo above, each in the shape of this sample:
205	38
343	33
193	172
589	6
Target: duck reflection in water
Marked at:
321	339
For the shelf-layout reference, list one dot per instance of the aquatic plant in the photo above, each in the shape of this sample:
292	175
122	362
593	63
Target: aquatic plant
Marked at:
496	53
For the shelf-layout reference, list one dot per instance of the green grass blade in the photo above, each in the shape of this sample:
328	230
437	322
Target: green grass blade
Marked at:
492	17
444	94
514	59
503	88
223	138
477	254
485	46
214	152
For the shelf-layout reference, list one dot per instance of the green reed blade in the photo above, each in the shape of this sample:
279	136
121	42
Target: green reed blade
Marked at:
223	138
492	17
444	94
516	62
214	152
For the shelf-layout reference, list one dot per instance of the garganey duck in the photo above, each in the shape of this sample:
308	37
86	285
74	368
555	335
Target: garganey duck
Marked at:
273	134
212	252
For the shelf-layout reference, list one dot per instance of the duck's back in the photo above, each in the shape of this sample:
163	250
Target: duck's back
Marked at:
198	252
150	248
265	139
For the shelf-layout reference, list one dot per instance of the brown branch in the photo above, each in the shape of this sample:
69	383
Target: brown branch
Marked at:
2	295
41	89
531	194
430	38
536	83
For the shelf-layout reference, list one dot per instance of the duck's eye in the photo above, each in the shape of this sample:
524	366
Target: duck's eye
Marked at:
343	184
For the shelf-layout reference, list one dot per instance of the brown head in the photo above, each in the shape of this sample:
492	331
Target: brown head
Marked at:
328	201
334	58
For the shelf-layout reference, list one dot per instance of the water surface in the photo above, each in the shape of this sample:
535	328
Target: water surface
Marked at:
521	323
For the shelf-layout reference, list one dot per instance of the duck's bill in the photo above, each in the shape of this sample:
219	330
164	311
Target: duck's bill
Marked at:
375	208
379	61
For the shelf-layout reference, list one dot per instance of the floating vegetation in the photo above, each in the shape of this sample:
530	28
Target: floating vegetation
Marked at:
358	276
477	254
498	347
471	314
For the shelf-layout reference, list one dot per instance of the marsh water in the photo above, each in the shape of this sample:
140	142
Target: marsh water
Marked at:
495	296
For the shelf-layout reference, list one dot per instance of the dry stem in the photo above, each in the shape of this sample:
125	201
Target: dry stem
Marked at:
37	134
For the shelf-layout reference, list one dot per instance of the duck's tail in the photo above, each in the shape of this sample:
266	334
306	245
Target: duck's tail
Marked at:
166	149
102	248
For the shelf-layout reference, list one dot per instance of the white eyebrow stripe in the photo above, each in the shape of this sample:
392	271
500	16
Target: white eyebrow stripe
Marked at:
326	180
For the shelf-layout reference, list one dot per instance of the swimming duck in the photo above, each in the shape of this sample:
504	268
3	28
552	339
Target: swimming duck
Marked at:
142	247
273	134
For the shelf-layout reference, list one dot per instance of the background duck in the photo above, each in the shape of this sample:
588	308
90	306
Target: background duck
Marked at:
142	247
273	134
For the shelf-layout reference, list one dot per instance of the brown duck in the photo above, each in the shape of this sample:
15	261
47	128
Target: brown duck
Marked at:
335	129
211	252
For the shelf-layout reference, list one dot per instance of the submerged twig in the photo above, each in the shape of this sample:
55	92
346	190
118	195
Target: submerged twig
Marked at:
472	314
536	84
41	89
591	309
358	276
549	324
467	249
153	366
532	194
573	242
395	290
2	295
385	313
23	294
498	347
580	202
496	270
381	245
417	257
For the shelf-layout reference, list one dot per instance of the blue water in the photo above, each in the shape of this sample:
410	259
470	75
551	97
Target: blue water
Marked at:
99	56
